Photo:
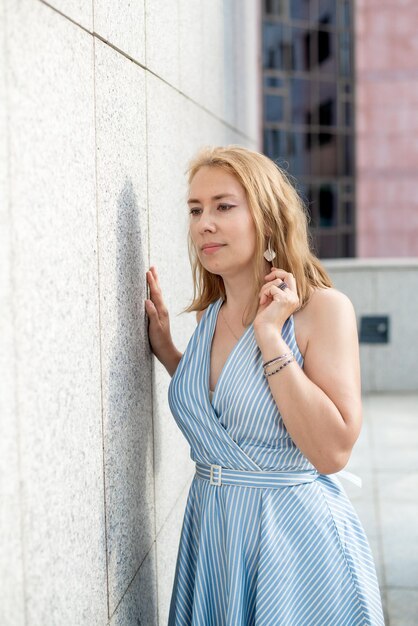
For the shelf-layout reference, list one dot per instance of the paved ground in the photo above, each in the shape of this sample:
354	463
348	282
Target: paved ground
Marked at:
386	458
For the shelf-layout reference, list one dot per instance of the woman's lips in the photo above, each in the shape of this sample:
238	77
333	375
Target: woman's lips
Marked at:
212	249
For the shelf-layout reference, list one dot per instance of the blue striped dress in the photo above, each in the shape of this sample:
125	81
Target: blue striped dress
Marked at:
266	540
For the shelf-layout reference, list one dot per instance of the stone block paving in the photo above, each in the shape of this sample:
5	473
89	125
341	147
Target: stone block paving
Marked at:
386	457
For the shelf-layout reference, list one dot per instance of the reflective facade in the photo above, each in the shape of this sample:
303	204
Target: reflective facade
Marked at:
308	111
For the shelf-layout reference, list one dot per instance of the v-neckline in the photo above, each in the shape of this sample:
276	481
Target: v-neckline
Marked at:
229	357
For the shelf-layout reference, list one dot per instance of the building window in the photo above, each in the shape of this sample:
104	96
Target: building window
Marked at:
308	120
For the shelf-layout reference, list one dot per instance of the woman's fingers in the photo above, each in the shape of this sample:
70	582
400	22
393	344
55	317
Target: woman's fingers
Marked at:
153	271
155	289
153	279
287	277
159	319
275	278
156	296
267	286
277	272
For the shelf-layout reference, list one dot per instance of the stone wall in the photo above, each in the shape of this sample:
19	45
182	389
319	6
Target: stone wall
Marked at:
105	103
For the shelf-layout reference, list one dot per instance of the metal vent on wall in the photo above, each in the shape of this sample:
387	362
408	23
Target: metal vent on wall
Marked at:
374	329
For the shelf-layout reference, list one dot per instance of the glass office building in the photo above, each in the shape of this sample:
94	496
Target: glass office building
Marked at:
308	111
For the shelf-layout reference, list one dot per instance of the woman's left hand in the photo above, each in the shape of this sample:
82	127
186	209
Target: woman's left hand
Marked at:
275	304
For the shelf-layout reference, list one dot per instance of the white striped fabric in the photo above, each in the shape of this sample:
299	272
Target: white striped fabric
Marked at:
259	549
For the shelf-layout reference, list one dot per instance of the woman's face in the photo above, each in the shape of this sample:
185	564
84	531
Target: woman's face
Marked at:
225	220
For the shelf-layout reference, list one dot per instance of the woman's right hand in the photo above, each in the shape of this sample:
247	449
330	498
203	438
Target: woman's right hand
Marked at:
159	322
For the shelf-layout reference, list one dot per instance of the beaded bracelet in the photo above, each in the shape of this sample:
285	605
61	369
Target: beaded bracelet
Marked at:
280	368
278	358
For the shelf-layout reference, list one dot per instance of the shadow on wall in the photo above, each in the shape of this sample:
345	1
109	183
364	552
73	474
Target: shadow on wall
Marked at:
128	435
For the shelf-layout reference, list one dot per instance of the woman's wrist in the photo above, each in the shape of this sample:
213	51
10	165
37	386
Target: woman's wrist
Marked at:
271	343
266	333
172	359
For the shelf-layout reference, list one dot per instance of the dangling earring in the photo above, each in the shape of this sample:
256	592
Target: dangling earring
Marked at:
269	254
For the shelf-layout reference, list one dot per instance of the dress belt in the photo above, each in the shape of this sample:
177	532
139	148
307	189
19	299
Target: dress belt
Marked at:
218	476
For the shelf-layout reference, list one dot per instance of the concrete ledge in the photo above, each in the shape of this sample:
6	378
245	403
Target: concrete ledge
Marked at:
383	287
370	263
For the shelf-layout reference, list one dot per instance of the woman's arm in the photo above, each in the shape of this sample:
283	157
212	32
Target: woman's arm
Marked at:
174	356
172	360
321	404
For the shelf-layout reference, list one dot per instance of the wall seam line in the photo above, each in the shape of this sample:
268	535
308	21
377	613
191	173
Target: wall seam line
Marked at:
152	372
100	328
14	317
147	69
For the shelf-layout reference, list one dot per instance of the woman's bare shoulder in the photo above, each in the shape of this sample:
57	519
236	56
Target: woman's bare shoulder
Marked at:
327	296
327	310
324	306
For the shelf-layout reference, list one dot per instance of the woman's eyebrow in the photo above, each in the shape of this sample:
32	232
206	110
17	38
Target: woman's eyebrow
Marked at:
217	197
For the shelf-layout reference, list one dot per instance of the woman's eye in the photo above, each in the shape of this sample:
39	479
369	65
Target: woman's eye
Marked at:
220	206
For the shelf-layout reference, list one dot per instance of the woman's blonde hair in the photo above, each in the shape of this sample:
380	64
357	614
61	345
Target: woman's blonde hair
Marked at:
277	210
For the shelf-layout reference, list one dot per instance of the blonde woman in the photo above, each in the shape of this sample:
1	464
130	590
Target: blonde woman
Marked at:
268	395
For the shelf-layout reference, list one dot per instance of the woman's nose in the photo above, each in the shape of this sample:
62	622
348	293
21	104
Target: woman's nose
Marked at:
206	222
